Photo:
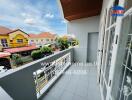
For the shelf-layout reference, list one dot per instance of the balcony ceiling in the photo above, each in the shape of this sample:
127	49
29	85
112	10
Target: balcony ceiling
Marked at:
76	9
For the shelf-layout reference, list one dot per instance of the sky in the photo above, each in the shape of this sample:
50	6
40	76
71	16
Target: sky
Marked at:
32	16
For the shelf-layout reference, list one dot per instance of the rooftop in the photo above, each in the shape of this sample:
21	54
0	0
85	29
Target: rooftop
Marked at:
4	54
20	49
6	31
42	35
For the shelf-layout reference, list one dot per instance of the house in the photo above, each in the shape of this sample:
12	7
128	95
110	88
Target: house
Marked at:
13	42
42	38
13	38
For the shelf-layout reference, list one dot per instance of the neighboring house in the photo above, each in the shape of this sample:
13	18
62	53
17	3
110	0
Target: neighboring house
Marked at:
13	38
42	38
13	42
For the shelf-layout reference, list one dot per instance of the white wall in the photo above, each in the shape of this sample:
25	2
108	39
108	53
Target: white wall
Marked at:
80	28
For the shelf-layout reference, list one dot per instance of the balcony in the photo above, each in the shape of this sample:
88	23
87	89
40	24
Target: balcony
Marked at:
45	79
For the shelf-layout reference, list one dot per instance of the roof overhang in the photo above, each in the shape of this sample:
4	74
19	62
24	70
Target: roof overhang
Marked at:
20	49
4	54
76	9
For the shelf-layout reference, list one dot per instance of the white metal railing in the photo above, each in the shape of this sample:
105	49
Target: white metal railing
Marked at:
49	71
32	80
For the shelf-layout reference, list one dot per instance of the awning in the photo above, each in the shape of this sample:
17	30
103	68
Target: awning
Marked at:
3	54
20	49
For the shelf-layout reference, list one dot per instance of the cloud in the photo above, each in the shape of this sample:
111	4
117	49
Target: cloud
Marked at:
63	21
24	14
49	15
30	21
32	15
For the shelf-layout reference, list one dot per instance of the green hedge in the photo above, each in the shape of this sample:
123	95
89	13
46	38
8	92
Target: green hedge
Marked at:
36	54
46	49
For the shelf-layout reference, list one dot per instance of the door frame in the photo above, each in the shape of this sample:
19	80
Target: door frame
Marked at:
88	43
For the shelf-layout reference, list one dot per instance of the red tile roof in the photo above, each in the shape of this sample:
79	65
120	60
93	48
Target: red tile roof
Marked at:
3	54
4	30
20	49
42	35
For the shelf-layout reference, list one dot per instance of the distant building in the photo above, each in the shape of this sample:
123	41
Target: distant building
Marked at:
12	38
42	38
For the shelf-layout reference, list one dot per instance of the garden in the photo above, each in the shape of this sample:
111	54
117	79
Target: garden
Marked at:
61	44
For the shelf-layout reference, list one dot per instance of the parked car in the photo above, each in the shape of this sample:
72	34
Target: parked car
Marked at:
2	69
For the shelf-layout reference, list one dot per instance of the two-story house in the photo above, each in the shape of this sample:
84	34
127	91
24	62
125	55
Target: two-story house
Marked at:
42	38
13	38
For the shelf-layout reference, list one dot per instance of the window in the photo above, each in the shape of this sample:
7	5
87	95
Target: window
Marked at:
42	40
32	40
121	88
51	39
4	42
19	40
128	4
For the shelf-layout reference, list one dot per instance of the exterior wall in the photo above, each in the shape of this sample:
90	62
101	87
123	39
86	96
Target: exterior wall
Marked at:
14	42
18	35
14	34
12	39
80	28
40	41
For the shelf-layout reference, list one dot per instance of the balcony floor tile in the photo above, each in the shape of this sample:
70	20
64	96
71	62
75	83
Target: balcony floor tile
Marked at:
76	86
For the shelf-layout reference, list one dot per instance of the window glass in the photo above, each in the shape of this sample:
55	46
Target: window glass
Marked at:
4	42
104	91
19	40
109	52
123	69
128	4
108	17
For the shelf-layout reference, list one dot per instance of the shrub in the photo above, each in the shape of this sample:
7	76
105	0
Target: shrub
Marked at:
63	43
46	50
17	59
75	42
36	54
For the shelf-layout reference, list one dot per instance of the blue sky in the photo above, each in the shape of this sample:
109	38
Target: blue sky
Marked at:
32	16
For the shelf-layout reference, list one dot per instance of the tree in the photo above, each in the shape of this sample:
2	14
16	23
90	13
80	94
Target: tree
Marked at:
17	59
63	43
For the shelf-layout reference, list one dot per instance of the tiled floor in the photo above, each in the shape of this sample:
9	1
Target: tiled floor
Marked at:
76	86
